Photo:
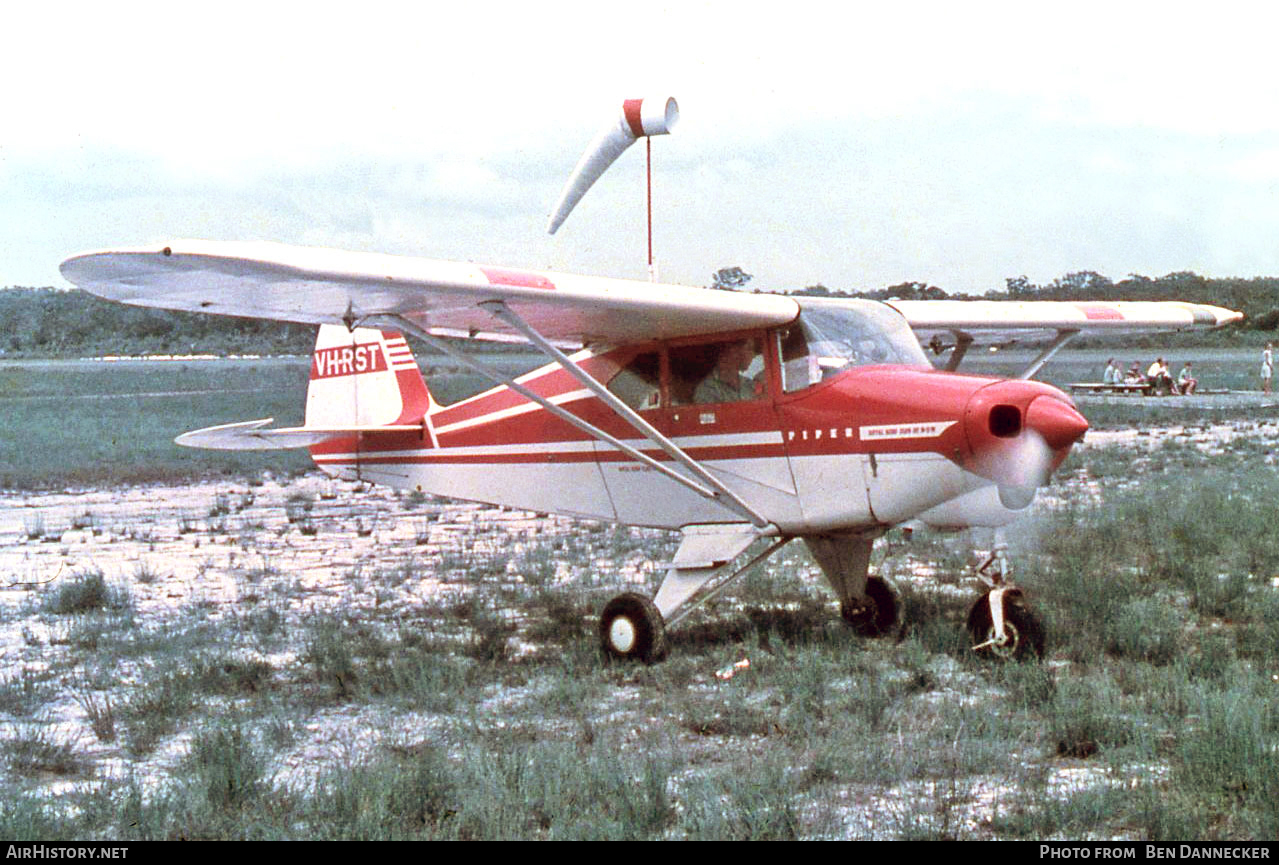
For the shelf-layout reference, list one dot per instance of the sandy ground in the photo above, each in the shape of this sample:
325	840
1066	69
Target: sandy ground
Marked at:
311	544
308	545
199	539
1209	437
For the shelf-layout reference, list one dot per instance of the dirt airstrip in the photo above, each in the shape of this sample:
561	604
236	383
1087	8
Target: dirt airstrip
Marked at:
309	547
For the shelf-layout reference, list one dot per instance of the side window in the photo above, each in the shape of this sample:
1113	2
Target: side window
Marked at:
639	383
799	368
719	372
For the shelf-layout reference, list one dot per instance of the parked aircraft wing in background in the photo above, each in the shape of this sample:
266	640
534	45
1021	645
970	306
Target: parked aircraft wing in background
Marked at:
996	320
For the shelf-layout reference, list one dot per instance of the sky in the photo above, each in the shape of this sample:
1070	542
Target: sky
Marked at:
849	144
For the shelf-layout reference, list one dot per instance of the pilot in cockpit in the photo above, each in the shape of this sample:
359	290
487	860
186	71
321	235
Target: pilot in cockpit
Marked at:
731	379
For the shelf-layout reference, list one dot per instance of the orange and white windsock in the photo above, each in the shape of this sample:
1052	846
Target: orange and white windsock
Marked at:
639	118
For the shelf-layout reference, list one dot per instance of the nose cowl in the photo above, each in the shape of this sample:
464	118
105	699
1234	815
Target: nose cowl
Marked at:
1056	422
1019	432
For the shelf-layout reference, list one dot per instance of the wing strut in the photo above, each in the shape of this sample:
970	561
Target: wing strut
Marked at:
962	342
1063	337
714	491
722	494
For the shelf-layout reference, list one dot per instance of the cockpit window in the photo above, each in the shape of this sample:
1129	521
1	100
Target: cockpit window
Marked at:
639	383
717	372
829	338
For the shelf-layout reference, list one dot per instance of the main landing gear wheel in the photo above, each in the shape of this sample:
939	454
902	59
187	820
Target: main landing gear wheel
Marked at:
876	615
1023	629
631	628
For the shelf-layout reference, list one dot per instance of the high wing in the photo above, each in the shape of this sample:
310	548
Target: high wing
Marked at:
957	324
324	286
998	320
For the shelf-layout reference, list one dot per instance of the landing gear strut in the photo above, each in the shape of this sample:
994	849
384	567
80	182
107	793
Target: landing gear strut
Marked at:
868	603
1002	624
632	627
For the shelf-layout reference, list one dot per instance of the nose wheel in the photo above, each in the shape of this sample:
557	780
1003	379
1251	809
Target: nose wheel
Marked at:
631	628
1023	631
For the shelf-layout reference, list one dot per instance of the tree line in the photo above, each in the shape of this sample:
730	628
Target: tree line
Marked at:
48	322
1257	298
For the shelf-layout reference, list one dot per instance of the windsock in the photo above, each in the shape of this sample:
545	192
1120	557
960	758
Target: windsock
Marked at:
640	117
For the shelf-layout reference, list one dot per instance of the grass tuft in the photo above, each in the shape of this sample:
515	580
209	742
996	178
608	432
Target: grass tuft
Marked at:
34	749
85	592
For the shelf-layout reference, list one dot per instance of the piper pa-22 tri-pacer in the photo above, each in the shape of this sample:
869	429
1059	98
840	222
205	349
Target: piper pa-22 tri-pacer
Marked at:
743	421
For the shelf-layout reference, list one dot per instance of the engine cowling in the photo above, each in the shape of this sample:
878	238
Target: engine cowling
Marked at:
1019	433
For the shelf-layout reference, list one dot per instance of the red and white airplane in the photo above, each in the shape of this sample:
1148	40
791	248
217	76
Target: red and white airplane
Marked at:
731	418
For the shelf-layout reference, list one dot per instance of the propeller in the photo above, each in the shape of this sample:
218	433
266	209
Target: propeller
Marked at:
1027	466
1019	451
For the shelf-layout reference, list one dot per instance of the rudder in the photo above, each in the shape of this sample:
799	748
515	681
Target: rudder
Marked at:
364	377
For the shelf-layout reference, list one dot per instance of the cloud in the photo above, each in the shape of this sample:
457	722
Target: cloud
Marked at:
956	144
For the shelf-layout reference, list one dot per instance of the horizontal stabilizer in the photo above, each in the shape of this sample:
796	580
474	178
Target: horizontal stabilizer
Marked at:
250	436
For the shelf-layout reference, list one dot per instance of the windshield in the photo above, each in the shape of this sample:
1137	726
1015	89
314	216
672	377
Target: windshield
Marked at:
833	336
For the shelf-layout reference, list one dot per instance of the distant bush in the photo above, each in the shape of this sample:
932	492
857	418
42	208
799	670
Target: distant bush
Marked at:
84	593
1266	321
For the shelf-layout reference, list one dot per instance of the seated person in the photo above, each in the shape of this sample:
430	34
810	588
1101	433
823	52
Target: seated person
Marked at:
1112	374
1186	381
1134	376
1159	376
727	380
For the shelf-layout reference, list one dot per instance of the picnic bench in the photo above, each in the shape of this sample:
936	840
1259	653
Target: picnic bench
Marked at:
1143	388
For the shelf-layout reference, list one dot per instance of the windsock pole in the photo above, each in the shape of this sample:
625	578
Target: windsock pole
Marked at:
652	268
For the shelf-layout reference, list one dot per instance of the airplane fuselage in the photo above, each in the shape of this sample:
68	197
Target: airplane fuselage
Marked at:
866	446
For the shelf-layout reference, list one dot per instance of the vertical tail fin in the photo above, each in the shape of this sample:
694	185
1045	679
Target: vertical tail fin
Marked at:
364	377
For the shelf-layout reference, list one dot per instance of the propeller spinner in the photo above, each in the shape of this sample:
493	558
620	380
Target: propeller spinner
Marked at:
1019	435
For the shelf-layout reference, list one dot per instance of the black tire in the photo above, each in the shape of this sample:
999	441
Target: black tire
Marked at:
879	614
632	629
1023	629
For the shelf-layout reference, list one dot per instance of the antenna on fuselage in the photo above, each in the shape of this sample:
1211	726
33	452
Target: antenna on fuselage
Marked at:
640	118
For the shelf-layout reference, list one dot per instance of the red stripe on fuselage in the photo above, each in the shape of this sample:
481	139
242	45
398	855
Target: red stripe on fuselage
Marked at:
370	456
826	420
549	381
